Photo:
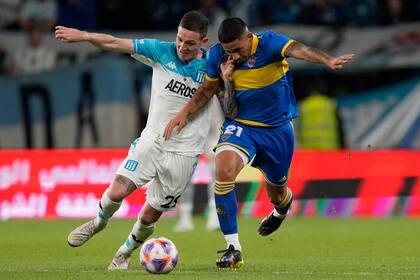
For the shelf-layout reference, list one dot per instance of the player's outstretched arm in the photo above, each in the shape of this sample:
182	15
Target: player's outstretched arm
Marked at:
204	93
314	55
103	41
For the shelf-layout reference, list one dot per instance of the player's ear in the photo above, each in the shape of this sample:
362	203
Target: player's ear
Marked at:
205	40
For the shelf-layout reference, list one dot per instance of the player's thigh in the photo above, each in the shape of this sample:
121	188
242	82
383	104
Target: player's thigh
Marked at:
174	174
275	150
140	164
235	137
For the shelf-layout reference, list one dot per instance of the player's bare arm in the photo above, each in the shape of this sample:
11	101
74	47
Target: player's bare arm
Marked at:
314	55
100	40
226	96
203	95
227	100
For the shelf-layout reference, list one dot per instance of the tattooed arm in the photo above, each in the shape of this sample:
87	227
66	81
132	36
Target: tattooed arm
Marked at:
226	94
203	95
227	100
314	55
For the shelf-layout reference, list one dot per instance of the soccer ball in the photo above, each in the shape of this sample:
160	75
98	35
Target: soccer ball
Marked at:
158	255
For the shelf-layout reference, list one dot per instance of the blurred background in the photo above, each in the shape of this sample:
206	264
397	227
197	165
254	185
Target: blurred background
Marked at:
69	111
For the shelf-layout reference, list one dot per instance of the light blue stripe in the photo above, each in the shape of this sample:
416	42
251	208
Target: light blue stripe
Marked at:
131	165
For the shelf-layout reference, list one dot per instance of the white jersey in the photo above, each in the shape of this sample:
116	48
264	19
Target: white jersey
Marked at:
173	85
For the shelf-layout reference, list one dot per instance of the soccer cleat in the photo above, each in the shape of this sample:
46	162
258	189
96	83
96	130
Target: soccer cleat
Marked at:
270	224
230	259
83	233
120	261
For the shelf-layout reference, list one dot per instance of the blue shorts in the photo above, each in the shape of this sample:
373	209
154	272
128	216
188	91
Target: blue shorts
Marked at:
269	148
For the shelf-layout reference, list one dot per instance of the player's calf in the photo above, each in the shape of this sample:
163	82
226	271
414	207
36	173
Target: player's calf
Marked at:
273	221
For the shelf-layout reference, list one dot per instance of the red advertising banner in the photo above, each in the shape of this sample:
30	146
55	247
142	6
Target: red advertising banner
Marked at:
65	183
69	183
377	180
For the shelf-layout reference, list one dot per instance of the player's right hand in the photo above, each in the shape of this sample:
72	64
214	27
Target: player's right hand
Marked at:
180	120
70	35
227	67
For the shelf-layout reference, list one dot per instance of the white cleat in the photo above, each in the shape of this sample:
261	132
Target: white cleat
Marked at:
120	261
83	233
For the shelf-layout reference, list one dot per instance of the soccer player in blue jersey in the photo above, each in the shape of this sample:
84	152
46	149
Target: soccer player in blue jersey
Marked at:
178	69
255	66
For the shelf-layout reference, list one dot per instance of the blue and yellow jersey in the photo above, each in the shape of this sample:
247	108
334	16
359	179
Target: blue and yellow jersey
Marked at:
263	84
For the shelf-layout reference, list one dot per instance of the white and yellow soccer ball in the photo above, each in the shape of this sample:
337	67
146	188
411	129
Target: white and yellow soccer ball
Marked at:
159	255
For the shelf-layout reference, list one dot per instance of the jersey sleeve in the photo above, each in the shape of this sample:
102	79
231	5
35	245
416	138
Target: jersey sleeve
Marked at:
280	42
149	51
213	72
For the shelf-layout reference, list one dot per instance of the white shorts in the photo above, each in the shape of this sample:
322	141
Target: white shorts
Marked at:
169	172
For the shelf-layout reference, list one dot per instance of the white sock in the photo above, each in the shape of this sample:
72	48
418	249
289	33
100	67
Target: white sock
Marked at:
144	231
137	236
107	208
278	215
233	239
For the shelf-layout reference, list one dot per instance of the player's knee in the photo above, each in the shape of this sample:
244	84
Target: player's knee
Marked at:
149	215
116	193
146	220
226	173
120	188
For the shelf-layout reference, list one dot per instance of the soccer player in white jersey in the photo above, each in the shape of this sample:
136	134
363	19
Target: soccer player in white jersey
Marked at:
178	70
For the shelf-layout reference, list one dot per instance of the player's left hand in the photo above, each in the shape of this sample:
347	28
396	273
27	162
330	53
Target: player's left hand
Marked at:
70	35
180	120
336	63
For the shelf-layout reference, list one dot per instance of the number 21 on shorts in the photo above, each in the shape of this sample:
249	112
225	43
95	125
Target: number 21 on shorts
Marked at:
233	129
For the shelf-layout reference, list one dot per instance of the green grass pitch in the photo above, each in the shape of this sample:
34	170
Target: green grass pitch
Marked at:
303	248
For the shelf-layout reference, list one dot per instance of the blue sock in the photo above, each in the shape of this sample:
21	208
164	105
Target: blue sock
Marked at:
226	207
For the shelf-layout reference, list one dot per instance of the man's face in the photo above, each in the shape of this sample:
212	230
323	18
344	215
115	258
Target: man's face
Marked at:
239	49
35	38
188	44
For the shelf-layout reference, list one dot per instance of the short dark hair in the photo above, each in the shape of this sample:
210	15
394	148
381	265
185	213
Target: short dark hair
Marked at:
231	29
195	21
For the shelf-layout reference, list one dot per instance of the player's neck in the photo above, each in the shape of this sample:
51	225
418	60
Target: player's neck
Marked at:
200	55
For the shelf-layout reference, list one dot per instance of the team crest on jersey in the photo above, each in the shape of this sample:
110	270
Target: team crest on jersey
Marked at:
225	136
251	61
171	65
131	165
200	76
